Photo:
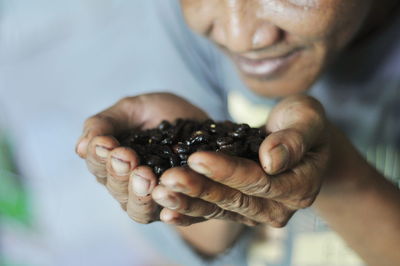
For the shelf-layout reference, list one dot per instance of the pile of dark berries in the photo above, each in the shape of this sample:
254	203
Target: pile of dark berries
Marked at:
169	145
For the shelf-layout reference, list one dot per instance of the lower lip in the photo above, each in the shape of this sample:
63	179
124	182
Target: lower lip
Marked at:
265	67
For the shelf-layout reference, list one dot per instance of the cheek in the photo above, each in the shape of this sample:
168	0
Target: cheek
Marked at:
335	21
199	14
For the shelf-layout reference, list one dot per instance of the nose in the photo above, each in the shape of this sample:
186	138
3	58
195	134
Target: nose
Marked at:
240	30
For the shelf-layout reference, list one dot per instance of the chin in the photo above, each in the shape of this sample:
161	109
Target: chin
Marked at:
279	88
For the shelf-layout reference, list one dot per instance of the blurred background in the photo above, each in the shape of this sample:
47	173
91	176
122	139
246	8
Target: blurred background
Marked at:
60	62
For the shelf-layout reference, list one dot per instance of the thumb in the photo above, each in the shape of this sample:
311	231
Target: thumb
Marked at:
297	125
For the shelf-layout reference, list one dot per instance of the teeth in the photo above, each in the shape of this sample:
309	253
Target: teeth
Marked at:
263	67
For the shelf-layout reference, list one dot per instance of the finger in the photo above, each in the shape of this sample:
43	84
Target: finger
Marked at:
140	206
238	173
97	125
98	151
194	185
120	163
111	121
175	218
194	207
297	187
296	125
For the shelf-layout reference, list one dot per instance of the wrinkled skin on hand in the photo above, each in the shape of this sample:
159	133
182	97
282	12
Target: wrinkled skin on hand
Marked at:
117	167
293	160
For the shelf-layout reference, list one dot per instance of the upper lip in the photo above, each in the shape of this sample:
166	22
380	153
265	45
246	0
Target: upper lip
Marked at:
258	57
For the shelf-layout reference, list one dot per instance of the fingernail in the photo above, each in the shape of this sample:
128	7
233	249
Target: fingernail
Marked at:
140	185
169	202
173	185
102	151
120	167
166	216
278	159
200	168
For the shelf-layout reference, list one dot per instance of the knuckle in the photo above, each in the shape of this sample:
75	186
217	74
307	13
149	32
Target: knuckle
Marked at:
207	191
277	215
121	198
260	188
281	218
279	222
305	203
240	201
95	165
142	221
215	213
139	217
257	209
236	201
218	198
98	172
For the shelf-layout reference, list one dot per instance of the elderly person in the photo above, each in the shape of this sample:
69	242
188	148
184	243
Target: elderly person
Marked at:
345	54
322	75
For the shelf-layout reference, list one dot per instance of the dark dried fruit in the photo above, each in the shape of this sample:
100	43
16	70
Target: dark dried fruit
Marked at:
183	156
174	160
199	137
167	141
159	170
154	160
170	144
181	148
221	141
164	125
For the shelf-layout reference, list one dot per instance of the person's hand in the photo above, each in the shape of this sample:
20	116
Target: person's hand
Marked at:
293	161
117	167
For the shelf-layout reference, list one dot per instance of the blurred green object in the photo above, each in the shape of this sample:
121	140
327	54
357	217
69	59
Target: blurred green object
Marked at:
5	262
13	197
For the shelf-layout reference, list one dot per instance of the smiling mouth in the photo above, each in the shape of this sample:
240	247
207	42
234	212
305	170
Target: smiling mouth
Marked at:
265	67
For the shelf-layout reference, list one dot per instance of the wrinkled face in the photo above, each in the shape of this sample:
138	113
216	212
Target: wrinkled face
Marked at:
279	47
